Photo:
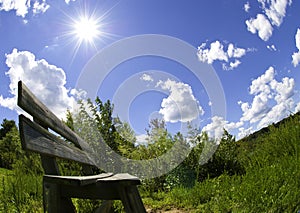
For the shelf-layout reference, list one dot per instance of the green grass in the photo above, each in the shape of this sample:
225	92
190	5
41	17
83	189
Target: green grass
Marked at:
5	172
20	192
271	182
273	188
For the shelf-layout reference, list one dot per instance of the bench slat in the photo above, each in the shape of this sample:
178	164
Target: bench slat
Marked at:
30	103
76	180
38	139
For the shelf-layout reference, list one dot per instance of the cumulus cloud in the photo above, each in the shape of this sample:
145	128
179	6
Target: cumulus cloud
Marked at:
260	25
146	77
243	132
46	81
217	51
235	52
296	55
267	90
216	128
272	101
22	7
180	105
274	10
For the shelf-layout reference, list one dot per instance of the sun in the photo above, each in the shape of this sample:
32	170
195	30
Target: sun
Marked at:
84	29
87	29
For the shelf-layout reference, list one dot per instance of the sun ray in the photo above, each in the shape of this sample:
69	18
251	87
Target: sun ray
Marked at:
85	28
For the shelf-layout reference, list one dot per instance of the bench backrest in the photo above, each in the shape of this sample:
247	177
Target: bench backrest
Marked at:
36	137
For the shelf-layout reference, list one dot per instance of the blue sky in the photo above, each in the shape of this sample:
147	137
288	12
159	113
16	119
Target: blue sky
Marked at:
251	47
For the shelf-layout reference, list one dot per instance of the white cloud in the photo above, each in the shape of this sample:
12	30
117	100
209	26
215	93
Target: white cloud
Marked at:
46	81
232	65
260	25
283	90
276	11
218	52
272	101
141	139
243	132
261	89
261	83
256	110
296	55
22	7
68	1
180	105
277	113
267	90
247	7
272	47
146	77
297	109
40	7
235	52
216	128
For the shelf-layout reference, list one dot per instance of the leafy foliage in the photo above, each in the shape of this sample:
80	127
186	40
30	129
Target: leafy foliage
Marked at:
256	174
10	144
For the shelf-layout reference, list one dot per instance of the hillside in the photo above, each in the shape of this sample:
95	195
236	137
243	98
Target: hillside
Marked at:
259	173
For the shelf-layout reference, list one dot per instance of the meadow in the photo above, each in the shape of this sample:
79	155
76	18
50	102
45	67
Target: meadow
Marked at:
259	173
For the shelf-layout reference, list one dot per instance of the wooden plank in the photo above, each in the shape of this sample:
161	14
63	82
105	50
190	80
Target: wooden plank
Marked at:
76	180
92	191
49	163
37	139
30	103
121	177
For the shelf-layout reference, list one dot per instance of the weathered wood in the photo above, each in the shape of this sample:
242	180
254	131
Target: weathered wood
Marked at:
131	199
58	190
105	207
29	102
76	180
53	200
37	139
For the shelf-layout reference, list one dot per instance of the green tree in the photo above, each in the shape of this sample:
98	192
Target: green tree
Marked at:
125	137
224	158
103	117
6	126
10	144
159	140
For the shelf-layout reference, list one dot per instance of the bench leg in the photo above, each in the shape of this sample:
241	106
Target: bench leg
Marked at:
53	202
105	207
131	199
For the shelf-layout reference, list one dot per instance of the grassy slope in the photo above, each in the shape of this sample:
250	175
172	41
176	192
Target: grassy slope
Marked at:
271	182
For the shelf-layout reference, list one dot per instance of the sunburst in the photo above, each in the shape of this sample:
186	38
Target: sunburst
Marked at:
87	29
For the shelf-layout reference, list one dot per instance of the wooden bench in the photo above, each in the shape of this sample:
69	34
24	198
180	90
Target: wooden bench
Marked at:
57	189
